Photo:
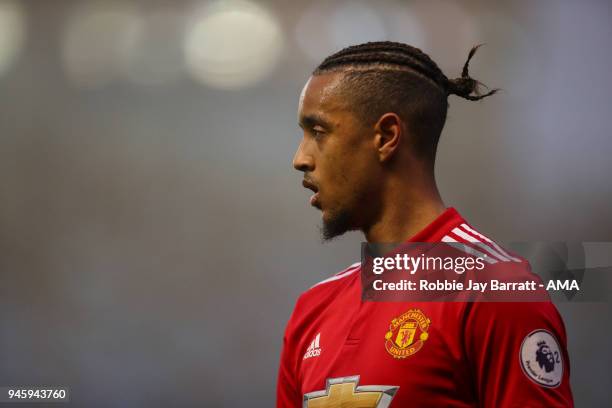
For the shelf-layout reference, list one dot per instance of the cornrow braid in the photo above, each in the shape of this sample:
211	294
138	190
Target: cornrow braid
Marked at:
387	47
385	53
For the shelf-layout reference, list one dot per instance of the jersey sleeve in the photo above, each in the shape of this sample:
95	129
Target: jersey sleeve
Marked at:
517	354
287	394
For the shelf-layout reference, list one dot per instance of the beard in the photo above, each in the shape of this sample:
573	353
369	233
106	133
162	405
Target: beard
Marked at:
336	225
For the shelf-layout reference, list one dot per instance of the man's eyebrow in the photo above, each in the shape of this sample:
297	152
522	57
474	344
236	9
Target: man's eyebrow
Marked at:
312	120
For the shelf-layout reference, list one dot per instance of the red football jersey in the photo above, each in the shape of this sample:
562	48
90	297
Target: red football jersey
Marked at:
340	351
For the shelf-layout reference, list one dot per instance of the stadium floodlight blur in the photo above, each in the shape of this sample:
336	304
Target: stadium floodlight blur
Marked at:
95	46
446	28
154	48
232	45
12	33
354	22
325	27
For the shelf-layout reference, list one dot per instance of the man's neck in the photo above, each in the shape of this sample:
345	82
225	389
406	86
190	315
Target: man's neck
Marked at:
405	213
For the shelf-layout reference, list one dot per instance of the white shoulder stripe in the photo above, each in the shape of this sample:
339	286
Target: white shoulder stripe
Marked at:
356	264
490	241
349	271
464	235
470	250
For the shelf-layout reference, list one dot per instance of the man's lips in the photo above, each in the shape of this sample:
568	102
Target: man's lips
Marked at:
314	199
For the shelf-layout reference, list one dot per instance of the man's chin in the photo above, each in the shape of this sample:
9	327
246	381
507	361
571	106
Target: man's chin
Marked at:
335	225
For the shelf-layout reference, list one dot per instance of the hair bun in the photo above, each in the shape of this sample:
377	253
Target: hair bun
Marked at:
465	86
462	86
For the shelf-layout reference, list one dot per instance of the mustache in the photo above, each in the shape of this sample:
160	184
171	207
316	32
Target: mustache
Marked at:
309	183
308	178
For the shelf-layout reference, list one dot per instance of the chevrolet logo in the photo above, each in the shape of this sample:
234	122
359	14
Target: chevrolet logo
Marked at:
343	392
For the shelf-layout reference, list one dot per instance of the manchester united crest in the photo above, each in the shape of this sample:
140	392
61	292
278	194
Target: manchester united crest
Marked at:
407	334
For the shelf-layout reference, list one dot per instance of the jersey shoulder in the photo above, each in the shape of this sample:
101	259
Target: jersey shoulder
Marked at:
346	272
320	294
475	243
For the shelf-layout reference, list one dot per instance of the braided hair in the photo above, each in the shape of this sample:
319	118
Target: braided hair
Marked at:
395	77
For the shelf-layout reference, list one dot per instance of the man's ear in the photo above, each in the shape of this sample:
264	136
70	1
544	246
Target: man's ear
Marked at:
388	135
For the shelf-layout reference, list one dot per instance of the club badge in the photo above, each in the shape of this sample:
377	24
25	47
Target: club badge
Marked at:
407	334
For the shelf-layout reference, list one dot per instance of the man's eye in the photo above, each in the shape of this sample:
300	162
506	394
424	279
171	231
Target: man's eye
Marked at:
317	132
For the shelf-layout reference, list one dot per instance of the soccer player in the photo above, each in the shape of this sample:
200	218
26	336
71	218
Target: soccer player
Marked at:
371	116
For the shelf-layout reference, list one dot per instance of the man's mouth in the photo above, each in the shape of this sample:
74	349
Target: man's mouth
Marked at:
314	199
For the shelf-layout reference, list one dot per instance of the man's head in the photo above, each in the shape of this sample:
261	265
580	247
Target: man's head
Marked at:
368	112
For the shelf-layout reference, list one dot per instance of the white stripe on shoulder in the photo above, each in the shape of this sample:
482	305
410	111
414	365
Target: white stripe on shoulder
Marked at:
489	241
356	264
470	250
464	235
343	274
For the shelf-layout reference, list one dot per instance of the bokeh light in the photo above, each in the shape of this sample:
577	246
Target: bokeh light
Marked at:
12	33
153	49
95	47
326	27
312	31
405	25
445	30
231	45
356	22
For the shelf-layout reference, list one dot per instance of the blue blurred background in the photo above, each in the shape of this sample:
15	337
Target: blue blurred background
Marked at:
153	234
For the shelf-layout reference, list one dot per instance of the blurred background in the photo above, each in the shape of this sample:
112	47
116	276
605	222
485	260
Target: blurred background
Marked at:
153	234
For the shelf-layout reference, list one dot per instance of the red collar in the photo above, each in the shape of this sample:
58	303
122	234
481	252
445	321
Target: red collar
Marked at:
439	227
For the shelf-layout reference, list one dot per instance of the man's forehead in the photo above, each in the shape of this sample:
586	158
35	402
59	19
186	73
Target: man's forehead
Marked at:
321	92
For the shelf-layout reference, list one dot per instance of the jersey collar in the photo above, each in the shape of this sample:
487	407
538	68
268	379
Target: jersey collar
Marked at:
439	227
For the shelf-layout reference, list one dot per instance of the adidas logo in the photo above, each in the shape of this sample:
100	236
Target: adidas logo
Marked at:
313	350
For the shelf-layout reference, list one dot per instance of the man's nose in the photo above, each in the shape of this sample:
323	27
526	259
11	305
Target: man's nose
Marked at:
302	161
